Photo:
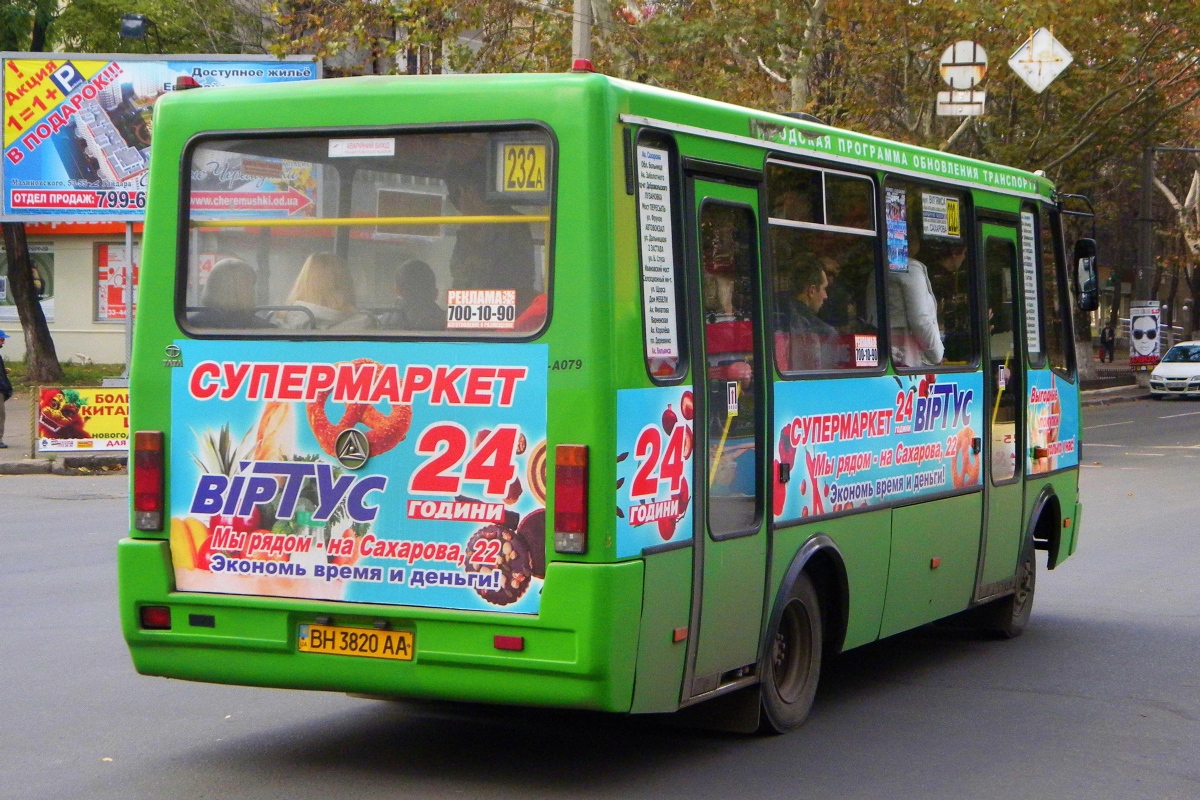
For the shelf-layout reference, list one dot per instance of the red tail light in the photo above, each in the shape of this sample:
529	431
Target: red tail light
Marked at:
156	618
570	498
148	480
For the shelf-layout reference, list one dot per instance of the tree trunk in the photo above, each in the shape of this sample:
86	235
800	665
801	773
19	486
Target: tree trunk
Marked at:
1085	356
40	354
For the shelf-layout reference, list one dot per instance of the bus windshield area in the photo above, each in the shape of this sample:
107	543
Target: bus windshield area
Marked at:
418	234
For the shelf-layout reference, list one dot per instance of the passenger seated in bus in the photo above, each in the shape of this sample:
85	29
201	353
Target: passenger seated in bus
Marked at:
417	307
810	340
912	309
494	255
228	298
326	288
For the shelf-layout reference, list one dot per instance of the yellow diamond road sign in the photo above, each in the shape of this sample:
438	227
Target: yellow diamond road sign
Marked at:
1040	60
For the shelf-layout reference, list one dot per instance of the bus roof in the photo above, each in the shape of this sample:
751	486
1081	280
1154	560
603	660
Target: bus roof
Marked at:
497	95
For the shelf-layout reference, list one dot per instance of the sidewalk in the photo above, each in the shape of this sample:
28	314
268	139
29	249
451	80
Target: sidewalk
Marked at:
18	435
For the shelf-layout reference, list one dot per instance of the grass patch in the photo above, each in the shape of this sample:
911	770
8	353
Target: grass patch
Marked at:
73	374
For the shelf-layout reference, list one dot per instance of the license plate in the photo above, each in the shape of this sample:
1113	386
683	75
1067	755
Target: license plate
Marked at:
339	641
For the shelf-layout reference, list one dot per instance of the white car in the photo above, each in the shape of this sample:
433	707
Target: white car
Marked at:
1178	373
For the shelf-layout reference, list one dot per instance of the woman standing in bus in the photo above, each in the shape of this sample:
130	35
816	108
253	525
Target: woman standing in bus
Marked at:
916	336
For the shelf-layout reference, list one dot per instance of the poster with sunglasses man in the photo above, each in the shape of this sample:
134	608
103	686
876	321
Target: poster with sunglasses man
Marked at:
1143	335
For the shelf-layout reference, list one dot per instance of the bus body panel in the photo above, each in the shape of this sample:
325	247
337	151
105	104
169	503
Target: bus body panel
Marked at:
935	550
662	646
580	651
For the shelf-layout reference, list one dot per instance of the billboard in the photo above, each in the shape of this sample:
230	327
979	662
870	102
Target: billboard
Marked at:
71	419
77	127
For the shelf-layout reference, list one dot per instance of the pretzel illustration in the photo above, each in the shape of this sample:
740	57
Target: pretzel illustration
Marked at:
964	468
383	431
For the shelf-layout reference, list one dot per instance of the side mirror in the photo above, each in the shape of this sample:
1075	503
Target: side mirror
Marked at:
1085	275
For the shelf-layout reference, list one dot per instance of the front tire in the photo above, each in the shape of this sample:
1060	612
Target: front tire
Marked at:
792	659
1007	617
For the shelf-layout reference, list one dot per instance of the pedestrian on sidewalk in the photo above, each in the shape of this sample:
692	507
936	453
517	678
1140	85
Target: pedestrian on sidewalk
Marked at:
6	389
1108	343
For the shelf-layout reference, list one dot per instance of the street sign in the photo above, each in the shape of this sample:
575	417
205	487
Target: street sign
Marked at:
1040	60
960	104
963	65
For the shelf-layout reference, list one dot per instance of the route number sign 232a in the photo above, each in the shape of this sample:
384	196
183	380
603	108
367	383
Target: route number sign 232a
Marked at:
523	168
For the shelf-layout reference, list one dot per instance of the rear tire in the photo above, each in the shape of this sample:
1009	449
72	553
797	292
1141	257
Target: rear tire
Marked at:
791	662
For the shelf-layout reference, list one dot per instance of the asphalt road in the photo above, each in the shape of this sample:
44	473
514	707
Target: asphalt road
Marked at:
1099	699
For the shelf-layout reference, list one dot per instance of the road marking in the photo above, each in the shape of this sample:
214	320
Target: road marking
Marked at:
1163	446
1187	414
1107	425
1153	455
1097	444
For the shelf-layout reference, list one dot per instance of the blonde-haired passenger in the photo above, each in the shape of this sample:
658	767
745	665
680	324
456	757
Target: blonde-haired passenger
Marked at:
228	297
325	288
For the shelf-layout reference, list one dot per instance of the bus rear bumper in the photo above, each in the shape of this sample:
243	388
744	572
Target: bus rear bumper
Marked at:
579	651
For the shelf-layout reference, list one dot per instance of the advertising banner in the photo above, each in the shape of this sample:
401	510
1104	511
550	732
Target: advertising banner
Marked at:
1144	334
414	474
77	127
654	465
111	269
1052	423
852	444
76	419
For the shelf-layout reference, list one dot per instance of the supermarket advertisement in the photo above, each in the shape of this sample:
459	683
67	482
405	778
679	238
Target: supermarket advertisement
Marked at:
854	444
72	419
654	468
411	475
1052	422
77	127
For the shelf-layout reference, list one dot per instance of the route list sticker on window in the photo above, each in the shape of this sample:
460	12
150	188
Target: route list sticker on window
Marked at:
658	257
1033	327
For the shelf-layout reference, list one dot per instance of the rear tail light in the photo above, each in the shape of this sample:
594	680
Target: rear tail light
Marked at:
148	480
156	618
570	498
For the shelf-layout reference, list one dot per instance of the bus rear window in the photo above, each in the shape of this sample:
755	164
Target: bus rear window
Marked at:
437	235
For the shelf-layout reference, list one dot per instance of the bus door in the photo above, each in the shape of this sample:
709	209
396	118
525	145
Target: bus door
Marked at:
730	534
1004	397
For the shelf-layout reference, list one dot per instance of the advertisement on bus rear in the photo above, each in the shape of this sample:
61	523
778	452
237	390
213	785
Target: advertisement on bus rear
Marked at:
654	464
410	475
77	127
875	441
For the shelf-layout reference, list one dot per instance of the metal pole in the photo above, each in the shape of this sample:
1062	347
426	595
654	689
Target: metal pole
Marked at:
1145	258
128	270
581	31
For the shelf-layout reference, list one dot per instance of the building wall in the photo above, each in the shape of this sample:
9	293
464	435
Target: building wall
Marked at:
77	334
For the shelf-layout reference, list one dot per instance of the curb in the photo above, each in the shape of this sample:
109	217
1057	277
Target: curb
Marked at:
71	465
1114	394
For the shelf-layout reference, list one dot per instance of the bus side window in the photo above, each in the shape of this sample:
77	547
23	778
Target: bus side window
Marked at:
928	278
822	264
1055	301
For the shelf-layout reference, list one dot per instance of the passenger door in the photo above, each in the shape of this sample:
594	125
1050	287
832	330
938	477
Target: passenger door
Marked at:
730	535
1004	397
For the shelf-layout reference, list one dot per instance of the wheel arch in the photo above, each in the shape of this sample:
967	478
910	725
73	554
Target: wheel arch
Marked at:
820	558
1045	525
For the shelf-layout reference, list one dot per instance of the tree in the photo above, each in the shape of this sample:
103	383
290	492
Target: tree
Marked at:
24	25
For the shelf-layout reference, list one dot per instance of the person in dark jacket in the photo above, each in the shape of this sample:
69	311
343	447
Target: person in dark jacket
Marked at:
6	389
1108	342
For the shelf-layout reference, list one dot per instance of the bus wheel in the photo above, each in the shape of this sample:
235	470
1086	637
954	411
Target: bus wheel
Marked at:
792	661
1008	617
